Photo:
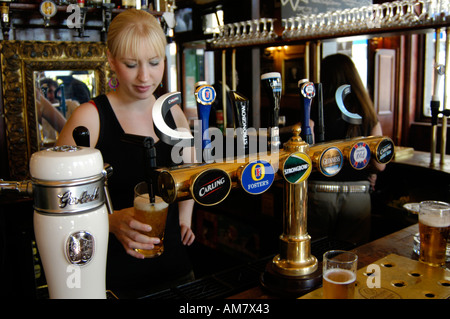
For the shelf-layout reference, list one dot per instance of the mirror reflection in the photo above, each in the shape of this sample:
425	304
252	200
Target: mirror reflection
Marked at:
57	94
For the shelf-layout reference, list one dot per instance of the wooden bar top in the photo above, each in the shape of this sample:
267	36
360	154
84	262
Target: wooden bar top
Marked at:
423	160
400	243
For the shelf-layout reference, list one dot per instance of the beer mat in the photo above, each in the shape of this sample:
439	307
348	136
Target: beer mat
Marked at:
399	278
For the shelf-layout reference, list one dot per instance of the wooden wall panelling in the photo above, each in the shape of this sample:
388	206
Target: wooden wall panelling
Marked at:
384	89
412	83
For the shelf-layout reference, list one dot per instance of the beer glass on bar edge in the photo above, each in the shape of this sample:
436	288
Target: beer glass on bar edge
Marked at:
153	214
339	274
434	226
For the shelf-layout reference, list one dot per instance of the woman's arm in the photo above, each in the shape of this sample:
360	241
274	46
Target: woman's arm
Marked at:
185	211
51	114
85	115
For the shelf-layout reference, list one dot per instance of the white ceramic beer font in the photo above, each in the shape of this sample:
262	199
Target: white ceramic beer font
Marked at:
271	83
71	206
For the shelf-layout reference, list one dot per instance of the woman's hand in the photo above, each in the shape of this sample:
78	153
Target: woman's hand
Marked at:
187	235
126	229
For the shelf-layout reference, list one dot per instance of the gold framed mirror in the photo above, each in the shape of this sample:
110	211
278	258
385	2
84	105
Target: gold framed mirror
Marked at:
20	61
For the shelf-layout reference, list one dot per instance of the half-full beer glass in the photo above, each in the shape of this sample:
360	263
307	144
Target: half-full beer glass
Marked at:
434	226
339	274
153	214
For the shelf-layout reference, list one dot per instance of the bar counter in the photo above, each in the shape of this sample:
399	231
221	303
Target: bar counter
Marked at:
418	179
408	178
399	243
407	156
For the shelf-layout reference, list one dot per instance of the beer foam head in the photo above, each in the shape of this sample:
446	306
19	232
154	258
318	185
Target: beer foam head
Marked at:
349	275
435	220
142	201
434	213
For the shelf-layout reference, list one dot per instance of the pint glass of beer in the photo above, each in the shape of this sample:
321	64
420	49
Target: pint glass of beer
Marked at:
434	226
339	274
153	214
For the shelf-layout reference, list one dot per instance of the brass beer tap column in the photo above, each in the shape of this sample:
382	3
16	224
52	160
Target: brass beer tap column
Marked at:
294	269
295	257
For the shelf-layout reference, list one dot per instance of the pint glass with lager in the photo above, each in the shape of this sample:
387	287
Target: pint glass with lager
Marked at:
434	226
153	214
339	274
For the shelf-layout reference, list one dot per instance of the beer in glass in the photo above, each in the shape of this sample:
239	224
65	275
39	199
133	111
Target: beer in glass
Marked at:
339	274
434	226
153	214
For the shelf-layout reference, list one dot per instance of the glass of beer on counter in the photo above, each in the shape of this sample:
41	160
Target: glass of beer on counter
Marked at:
339	274
153	214
434	227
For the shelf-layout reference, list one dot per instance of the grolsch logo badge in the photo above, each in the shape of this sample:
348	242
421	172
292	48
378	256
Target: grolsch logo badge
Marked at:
385	151
331	161
210	187
360	155
297	168
257	177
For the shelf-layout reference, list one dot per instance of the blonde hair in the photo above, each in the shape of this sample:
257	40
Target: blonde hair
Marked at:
132	29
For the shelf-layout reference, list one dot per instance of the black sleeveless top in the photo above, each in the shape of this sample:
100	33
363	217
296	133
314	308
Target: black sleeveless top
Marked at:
127	160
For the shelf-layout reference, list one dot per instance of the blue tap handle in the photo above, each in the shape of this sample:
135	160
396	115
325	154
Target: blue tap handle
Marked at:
203	115
308	92
205	96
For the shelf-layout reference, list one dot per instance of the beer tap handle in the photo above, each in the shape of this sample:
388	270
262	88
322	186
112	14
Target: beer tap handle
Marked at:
81	136
271	83
320	124
5	19
149	159
434	107
22	187
205	96
308	92
150	165
435	99
240	111
106	18
63	105
107	172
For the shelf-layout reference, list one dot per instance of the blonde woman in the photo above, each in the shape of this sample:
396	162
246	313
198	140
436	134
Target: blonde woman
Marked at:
136	54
